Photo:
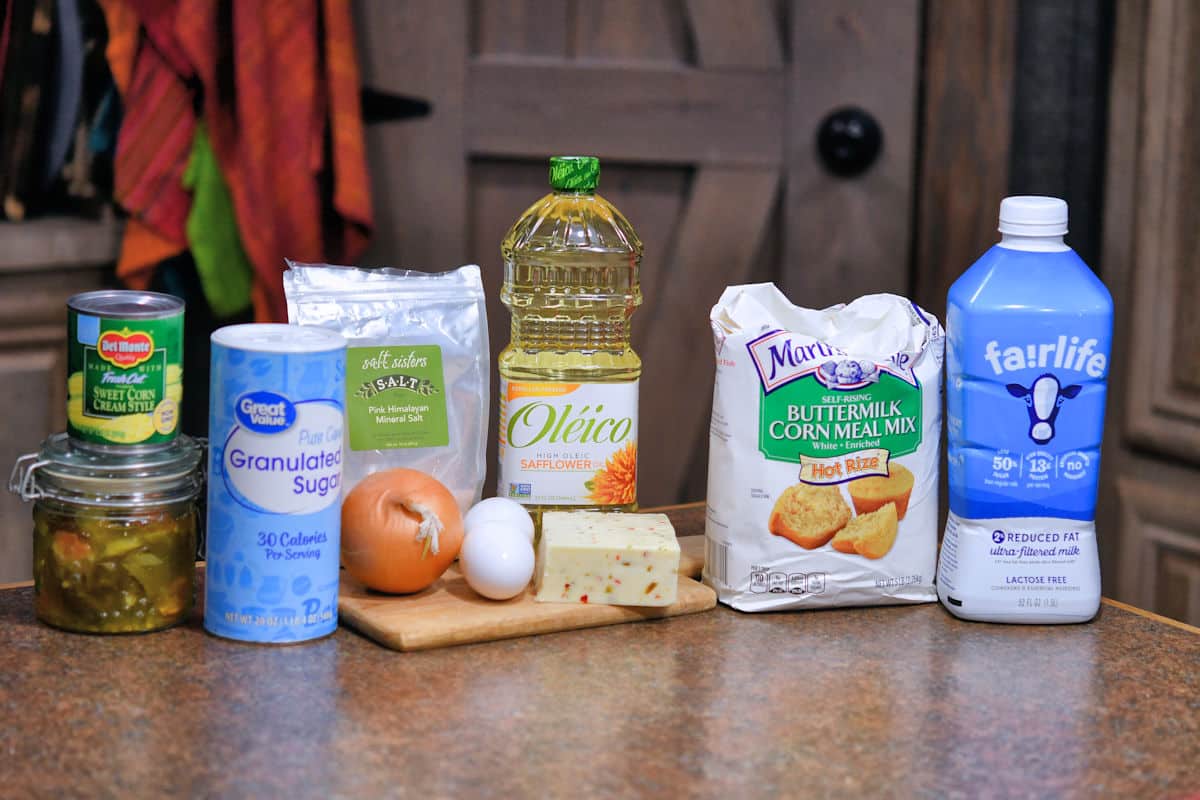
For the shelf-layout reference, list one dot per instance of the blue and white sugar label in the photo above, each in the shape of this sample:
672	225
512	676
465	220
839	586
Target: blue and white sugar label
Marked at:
284	457
1027	357
275	468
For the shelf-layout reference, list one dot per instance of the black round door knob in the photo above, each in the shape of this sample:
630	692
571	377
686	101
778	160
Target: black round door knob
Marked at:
849	140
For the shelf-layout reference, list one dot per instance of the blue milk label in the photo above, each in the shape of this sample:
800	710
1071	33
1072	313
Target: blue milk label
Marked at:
1028	343
275	470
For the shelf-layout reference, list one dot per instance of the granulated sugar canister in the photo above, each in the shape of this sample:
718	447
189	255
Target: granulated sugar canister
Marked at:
276	418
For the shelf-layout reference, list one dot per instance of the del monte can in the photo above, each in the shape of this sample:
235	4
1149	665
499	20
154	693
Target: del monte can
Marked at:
124	368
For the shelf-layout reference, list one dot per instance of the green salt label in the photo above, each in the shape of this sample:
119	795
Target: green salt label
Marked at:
396	397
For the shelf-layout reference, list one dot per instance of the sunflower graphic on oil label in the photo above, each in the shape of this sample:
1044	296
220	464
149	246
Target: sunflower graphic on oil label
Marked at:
616	482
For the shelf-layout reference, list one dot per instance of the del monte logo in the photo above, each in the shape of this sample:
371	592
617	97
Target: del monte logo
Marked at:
125	348
782	357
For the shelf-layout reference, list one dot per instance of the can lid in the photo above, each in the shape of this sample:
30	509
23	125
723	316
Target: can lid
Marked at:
126	303
64	470
1030	215
574	173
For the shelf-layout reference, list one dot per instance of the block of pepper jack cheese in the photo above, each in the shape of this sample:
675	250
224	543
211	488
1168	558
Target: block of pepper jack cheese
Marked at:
610	558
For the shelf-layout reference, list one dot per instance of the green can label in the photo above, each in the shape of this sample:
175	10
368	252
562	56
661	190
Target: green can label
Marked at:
396	397
125	378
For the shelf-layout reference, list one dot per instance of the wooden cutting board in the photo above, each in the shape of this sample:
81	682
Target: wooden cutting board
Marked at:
449	612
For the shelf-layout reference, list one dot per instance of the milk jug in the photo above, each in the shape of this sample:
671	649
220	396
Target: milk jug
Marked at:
1029	328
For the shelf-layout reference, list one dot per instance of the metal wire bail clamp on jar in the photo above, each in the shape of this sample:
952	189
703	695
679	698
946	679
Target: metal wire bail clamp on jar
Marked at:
114	534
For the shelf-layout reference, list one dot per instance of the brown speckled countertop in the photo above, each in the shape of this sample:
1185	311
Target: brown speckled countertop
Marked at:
901	701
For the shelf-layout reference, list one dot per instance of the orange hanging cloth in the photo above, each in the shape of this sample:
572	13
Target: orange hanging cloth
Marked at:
154	141
277	84
278	76
351	185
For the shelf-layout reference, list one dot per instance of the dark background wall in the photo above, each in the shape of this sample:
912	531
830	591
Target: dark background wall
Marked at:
1014	100
1060	110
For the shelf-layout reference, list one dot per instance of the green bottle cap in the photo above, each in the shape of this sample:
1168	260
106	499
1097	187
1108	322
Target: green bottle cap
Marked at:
574	173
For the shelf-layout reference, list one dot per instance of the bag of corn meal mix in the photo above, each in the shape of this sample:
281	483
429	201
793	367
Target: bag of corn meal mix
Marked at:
823	452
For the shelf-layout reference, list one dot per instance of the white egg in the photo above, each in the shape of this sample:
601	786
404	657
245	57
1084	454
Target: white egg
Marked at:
496	560
503	510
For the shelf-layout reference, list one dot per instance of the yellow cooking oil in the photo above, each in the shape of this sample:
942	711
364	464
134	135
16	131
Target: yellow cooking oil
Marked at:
569	375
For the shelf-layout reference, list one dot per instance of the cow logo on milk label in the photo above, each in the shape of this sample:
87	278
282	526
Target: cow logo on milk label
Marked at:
1043	399
838	417
1044	395
283	457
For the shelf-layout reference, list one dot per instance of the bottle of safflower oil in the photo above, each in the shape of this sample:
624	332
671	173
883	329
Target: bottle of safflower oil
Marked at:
569	376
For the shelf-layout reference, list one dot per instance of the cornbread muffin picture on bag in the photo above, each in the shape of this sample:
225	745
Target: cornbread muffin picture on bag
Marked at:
871	534
870	494
809	515
823	452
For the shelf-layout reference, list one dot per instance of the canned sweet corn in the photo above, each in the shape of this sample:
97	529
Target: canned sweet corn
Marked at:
124	368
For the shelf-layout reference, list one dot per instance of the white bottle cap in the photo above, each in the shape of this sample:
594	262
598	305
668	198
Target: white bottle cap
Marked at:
1029	215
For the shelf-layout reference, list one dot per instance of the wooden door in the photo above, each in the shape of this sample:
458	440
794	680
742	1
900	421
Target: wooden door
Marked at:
704	114
1152	258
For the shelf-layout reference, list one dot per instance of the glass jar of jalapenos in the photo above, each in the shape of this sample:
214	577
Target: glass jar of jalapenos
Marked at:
114	534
